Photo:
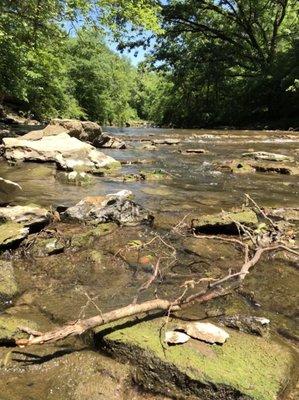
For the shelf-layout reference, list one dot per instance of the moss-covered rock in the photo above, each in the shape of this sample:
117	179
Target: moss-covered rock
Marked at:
12	232
10	328
8	284
156	175
85	239
46	247
246	367
225	222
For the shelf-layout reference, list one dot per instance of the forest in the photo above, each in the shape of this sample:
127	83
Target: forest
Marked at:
227	62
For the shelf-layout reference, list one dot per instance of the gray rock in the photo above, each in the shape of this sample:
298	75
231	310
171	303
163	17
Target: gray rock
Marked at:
109	142
68	152
111	208
26	215
248	324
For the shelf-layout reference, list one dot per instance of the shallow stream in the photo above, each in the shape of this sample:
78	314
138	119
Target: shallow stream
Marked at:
54	288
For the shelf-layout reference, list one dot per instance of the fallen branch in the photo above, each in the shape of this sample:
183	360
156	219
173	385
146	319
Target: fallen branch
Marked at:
212	291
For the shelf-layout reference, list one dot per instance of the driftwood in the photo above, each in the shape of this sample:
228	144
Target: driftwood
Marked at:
213	290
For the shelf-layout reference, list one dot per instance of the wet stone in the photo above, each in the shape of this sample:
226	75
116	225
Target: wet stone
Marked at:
12	233
225	223
246	366
8	284
249	324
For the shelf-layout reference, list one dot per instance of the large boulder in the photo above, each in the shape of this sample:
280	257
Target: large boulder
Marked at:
67	152
27	215
111	208
83	130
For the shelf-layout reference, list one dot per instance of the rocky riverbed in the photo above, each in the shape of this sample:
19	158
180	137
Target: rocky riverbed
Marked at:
83	226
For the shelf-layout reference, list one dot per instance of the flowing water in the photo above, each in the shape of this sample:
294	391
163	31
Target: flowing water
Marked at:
54	288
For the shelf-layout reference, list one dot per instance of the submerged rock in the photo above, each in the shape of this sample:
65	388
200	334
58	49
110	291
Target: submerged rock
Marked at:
156	175
12	232
76	178
110	208
264	155
67	152
246	367
27	215
236	167
169	141
47	247
193	151
8	284
251	166
256	325
10	328
7	186
225	222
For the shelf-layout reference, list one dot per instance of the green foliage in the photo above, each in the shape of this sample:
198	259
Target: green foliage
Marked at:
54	75
231	62
103	81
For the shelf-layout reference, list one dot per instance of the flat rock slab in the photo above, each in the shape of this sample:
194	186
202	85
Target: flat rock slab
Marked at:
245	367
169	141
67	152
12	232
27	215
225	223
252	166
264	155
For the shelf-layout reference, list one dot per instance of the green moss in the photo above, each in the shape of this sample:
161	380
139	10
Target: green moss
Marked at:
225	222
10	328
86	239
252	365
156	175
8	284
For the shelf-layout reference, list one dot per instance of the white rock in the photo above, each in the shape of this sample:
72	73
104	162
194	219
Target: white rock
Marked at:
68	152
26	215
176	337
206	331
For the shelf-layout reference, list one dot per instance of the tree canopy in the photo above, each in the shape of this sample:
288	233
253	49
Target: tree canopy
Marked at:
218	62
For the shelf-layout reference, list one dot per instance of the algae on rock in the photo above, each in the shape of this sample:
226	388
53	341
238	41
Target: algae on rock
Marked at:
246	367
